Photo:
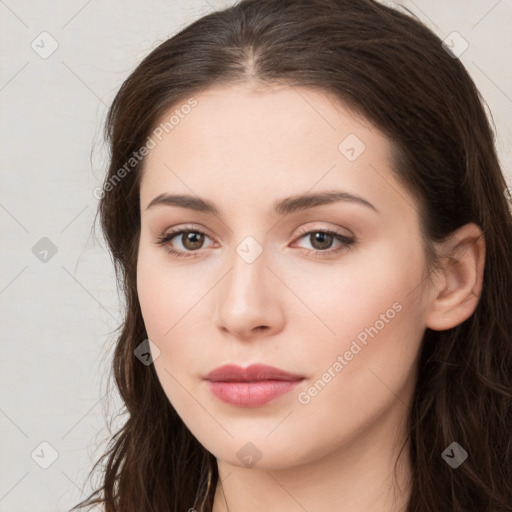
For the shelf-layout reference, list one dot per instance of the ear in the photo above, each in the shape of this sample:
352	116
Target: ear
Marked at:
458	284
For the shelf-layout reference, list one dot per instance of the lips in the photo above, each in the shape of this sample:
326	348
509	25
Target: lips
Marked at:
254	386
253	373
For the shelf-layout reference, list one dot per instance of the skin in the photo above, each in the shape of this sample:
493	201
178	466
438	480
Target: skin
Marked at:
243	148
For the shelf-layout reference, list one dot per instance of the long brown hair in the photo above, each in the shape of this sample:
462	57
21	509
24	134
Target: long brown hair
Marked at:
390	68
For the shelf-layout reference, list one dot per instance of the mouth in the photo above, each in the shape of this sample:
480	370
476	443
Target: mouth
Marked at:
254	386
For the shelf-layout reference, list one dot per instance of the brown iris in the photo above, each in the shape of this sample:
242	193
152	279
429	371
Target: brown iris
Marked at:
193	238
325	240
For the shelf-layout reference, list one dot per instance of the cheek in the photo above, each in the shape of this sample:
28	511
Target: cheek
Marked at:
164	292
164	304
351	295
364	372
373	329
356	384
152	290
172	304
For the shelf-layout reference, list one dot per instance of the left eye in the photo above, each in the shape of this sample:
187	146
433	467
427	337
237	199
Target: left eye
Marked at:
322	240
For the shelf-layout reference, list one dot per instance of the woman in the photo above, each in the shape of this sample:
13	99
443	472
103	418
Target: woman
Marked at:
309	223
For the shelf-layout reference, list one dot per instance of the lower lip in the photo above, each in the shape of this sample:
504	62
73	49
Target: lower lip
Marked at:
251	394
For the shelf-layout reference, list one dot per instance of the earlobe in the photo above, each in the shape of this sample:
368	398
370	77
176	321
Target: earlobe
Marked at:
461	278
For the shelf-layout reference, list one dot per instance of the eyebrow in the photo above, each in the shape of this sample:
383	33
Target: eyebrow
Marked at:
284	206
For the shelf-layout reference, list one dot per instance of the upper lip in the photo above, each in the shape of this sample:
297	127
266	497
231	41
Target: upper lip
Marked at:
253	373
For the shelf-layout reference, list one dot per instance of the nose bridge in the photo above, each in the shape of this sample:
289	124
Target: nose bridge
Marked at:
247	299
246	282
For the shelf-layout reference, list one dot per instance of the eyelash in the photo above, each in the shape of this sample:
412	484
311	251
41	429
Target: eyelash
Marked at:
347	242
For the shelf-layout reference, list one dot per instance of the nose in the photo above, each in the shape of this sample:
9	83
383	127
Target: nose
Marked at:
248	300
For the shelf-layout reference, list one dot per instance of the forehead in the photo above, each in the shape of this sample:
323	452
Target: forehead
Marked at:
267	143
227	118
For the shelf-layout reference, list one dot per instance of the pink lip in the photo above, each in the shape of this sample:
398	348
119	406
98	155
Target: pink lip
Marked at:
253	386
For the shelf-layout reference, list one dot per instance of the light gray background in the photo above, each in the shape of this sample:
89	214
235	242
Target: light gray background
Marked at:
58	316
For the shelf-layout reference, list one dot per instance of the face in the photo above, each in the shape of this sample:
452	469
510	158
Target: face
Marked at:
329	290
